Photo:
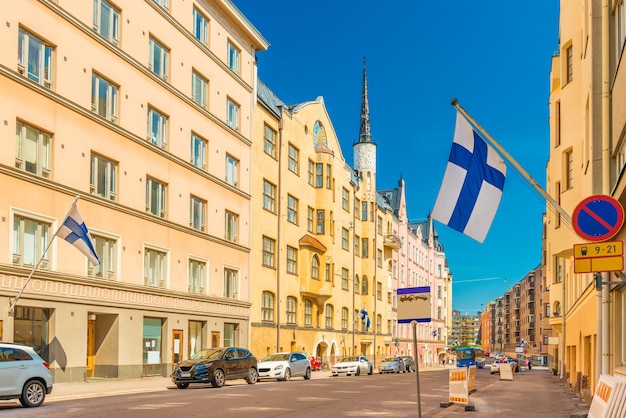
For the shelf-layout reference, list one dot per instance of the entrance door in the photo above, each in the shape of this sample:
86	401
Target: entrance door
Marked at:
215	339
177	345
91	333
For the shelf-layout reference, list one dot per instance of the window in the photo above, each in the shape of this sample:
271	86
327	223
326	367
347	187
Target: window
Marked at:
199	149
35	58
269	250
154	267
344	318
345	241
163	3
104	98
379	226
364	211
232	170
345	199
232	227
308	313
292	304
33	150
292	260
364	286
315	267
106	248
379	258
328	270
195	336
234	57
310	213
365	247
357	245
379	321
197	276
197	213
356	285
232	114
267	307
379	291
320	221
329	177
158	60
200	26
106	20
156	197
311	173
292	209
329	316
569	169
294	159
269	196
103	181
344	278
31	328
157	128
569	54
199	89
30	239
319	175
269	141
231	283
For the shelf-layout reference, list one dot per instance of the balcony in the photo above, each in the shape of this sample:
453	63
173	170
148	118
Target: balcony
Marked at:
392	241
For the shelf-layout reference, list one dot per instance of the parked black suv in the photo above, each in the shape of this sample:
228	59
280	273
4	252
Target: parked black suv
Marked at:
215	366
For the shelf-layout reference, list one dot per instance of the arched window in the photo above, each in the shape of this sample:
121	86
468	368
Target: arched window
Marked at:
267	307
364	286
356	284
315	267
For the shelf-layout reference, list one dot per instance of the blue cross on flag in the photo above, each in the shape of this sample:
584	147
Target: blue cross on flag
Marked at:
472	183
363	316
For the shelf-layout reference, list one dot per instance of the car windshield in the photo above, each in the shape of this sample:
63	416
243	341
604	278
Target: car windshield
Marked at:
276	357
348	359
389	359
210	354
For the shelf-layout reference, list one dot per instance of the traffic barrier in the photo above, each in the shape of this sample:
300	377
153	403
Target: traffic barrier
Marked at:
458	392
506	371
609	399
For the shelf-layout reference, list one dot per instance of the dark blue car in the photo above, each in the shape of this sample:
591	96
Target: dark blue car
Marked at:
215	366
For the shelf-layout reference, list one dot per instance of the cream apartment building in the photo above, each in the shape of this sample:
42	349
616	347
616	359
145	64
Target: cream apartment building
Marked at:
319	250
142	109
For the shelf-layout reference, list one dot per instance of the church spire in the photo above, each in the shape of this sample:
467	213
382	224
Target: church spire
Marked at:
364	132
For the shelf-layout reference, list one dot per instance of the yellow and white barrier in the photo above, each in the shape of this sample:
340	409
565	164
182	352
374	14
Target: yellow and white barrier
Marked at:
458	390
609	399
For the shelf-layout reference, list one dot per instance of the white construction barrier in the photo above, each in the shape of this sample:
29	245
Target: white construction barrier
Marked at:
609	398
458	392
506	371
471	379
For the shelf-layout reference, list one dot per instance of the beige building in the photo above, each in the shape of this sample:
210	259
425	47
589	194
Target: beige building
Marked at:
587	125
144	110
319	250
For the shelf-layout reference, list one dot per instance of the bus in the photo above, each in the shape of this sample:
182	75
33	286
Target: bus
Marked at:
469	356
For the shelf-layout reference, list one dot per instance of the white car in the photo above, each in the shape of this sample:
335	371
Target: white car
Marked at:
354	365
284	366
23	375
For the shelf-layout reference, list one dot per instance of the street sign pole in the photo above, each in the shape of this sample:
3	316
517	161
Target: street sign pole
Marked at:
417	370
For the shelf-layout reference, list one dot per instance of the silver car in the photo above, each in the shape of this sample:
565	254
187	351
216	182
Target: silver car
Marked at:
392	365
284	366
23	375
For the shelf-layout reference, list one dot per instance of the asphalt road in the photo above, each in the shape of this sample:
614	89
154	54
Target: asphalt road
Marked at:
533	393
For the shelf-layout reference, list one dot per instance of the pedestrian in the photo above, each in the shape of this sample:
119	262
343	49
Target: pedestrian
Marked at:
530	364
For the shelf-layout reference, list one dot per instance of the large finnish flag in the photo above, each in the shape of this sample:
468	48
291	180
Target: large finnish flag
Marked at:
74	231
472	183
364	317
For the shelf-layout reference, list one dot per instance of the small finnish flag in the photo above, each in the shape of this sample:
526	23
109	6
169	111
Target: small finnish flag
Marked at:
74	231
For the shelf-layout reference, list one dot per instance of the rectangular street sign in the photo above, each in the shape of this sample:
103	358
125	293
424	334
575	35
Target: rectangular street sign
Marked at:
599	249
414	304
598	257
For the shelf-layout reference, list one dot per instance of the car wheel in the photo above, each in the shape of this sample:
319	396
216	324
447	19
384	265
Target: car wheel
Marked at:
358	371
371	371
218	378
253	376
287	375
335	375
33	394
307	374
182	385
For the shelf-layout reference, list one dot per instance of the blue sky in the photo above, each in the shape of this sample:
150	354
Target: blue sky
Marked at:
493	55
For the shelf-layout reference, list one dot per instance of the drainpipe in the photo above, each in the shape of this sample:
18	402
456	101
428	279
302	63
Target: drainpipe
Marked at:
278	240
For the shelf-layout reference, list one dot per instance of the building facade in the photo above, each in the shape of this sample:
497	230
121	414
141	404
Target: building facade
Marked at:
142	110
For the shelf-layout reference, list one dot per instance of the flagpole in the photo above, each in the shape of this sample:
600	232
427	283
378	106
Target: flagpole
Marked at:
14	301
510	159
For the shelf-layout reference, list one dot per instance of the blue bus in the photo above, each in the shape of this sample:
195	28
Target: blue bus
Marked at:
469	356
